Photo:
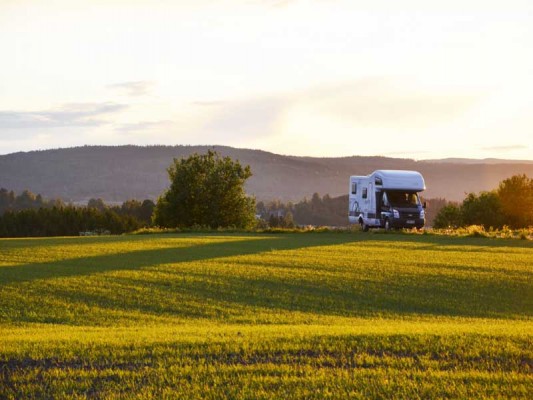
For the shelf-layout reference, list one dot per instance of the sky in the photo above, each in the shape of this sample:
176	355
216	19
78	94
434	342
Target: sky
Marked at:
413	78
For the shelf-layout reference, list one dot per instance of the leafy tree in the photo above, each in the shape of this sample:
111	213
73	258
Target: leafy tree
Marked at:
146	211
288	220
27	200
141	211
273	221
281	221
449	216
206	190
97	204
7	200
516	197
434	205
483	209
511	204
130	206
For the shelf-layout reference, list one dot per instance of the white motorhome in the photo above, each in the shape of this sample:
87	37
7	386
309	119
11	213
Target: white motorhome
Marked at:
387	199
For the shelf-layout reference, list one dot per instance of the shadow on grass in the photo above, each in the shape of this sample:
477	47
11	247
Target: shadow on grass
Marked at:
242	298
250	244
64	241
231	296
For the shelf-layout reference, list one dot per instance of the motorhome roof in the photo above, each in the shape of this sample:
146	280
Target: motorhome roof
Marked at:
396	179
400	179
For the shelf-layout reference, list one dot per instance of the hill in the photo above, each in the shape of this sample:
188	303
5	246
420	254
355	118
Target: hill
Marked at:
479	161
248	316
122	172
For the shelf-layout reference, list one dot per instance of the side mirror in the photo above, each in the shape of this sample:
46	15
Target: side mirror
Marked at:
425	205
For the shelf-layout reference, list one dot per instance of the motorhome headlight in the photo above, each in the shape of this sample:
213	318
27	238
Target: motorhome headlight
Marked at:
395	213
422	214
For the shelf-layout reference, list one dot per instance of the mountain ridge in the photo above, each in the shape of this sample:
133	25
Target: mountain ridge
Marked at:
117	173
459	160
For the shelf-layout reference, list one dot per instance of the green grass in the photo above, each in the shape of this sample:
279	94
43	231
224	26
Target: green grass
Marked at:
228	315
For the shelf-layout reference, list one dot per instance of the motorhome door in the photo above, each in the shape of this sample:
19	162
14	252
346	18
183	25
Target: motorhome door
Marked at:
371	202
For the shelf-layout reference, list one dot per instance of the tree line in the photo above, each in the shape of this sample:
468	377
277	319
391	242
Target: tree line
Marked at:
511	204
317	210
28	214
322	211
10	201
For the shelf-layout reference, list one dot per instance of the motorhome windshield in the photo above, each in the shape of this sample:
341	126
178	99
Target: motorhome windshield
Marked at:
402	199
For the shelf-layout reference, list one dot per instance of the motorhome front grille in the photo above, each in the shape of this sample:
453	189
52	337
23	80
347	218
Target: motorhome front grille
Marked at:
409	214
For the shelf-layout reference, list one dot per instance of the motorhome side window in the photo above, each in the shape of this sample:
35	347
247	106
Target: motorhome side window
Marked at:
364	193
379	181
354	188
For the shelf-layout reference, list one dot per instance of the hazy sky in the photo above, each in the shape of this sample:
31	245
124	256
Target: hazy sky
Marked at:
418	79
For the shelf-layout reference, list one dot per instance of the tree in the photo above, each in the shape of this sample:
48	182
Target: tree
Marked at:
97	204
516	197
511	204
26	200
483	209
146	211
434	206
7	200
273	221
206	190
449	216
288	220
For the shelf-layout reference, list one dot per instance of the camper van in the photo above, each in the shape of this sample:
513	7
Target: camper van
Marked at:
387	199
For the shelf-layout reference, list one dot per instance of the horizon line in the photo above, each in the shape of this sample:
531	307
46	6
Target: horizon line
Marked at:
447	158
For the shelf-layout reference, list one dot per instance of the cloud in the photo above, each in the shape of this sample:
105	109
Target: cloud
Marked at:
248	118
68	115
322	119
278	3
377	105
136	88
386	102
142	126
506	147
231	122
374	103
213	103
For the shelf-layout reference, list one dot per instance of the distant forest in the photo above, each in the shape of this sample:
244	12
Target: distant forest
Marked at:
9	201
28	214
323	211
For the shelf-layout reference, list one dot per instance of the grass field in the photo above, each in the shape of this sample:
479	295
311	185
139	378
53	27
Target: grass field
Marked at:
253	316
